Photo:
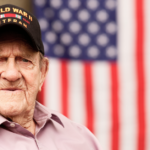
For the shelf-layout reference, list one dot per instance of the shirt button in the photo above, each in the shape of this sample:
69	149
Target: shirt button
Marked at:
12	125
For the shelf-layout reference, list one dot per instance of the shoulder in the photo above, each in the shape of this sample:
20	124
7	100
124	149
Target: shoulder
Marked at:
67	133
75	130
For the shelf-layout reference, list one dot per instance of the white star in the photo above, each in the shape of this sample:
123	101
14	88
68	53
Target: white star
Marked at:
74	51
84	39
55	3
110	4
57	26
59	50
93	27
43	24
102	16
48	13
102	39
66	38
65	14
50	37
111	52
74	4
92	4
83	15
40	3
111	28
75	27
93	52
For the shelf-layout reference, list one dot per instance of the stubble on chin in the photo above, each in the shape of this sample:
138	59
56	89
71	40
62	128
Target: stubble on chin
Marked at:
12	103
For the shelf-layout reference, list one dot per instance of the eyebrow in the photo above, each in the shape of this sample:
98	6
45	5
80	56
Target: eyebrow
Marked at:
21	52
25	55
18	54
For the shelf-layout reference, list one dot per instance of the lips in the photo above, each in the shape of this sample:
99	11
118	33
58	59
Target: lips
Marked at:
11	89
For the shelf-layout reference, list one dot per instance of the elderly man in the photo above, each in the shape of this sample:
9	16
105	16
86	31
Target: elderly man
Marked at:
24	123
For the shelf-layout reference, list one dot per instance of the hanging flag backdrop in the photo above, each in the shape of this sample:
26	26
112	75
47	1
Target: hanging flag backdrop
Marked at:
99	74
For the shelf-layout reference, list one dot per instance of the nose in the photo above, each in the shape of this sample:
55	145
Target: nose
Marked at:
11	72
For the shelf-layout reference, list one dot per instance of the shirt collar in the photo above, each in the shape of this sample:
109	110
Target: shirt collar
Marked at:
2	120
41	113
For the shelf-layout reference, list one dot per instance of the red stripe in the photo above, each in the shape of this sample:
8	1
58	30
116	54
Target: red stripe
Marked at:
115	106
64	87
10	15
41	95
140	73
89	96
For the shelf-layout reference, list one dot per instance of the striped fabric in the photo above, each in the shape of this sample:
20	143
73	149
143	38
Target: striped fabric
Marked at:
111	99
10	15
2	16
18	16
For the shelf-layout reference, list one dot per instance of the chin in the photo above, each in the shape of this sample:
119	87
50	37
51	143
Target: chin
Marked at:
11	109
12	104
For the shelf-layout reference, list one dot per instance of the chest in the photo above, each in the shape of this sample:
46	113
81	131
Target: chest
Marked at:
47	139
10	140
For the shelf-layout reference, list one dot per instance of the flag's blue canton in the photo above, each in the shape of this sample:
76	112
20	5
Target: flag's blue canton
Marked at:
78	29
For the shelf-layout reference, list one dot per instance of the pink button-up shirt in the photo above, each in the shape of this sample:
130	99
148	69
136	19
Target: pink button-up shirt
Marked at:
53	132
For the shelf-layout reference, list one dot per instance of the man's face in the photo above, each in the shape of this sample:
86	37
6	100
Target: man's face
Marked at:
20	78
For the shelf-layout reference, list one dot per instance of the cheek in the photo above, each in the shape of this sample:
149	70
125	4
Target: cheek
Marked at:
2	68
32	79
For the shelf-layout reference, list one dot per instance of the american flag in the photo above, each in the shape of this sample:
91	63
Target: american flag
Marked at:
99	74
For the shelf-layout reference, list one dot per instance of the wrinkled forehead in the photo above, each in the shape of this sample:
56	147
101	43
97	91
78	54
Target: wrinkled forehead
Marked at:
17	48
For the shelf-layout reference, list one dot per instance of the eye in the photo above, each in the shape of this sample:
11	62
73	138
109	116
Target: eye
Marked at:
25	60
3	59
24	63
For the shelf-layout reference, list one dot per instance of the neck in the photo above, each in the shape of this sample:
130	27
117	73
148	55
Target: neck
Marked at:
26	121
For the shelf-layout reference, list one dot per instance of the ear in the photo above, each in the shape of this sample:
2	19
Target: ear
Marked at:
43	71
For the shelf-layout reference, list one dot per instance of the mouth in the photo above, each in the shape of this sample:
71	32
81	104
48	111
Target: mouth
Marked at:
11	89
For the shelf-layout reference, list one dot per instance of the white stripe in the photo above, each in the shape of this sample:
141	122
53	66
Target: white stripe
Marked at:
147	69
76	92
52	92
127	75
102	103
